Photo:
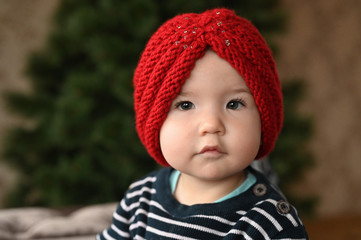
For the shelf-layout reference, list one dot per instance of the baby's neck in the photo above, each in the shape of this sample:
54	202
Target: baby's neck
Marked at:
191	190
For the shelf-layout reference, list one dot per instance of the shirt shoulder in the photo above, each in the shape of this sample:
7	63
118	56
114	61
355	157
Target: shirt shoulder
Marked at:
147	186
272	214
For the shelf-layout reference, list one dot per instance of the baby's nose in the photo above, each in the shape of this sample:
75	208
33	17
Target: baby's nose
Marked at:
211	123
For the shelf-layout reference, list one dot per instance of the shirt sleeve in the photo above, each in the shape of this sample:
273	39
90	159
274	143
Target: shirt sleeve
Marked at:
119	228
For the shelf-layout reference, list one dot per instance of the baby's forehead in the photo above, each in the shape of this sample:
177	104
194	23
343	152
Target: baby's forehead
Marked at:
213	76
212	66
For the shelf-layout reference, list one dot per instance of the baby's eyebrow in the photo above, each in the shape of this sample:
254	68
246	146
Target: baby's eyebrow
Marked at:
241	90
185	94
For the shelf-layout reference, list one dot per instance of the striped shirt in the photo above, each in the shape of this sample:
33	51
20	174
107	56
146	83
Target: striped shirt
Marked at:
150	211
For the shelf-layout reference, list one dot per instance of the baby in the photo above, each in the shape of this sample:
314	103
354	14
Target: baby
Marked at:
208	103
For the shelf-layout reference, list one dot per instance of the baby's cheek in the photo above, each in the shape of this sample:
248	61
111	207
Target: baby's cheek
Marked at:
175	142
167	139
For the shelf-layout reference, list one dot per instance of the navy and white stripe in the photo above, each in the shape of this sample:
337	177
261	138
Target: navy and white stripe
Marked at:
149	211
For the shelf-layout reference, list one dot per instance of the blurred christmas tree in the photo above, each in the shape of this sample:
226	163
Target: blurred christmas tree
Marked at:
291	158
82	147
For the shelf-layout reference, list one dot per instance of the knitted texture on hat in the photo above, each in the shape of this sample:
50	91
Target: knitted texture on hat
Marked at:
170	56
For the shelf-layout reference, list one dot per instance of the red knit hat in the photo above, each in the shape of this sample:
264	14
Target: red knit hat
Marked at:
170	56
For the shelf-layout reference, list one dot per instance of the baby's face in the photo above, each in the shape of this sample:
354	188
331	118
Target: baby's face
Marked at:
213	129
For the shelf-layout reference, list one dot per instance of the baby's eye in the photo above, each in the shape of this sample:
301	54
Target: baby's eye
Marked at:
235	104
185	105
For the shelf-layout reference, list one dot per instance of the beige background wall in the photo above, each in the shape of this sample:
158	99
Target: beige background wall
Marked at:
322	46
